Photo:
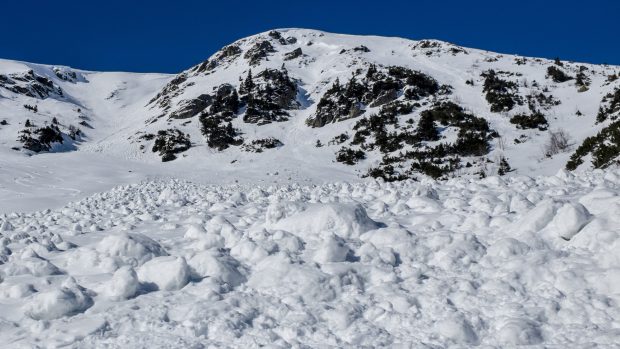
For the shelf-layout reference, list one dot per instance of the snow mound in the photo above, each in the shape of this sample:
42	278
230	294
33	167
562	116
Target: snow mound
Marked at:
166	273
519	332
134	248
569	220
123	285
69	300
216	265
344	220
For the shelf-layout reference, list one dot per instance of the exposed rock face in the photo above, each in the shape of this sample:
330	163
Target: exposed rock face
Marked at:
293	54
192	107
259	52
30	84
164	98
225	55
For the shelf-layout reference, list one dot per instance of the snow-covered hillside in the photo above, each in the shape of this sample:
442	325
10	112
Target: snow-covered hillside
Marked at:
494	263
348	106
302	189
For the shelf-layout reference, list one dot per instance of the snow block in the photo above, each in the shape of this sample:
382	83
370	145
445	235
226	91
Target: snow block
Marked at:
123	285
166	273
69	300
135	248
569	220
344	220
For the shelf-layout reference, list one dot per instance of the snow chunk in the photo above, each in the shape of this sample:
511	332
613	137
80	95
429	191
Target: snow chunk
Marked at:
507	247
31	264
69	300
133	248
538	217
387	236
345	220
167	273
569	220
15	291
123	284
219	225
220	267
519	332
332	250
457	329
6	226
195	232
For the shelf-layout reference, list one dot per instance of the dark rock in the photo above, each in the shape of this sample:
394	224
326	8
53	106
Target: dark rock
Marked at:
225	54
361	48
258	145
192	107
258	52
171	90
30	84
293	54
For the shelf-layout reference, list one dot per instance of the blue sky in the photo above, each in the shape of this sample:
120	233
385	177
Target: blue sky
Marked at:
170	36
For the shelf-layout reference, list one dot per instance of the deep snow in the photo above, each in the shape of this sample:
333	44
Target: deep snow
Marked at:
105	246
495	263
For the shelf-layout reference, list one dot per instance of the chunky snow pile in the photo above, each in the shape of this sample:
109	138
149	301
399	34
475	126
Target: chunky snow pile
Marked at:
494	263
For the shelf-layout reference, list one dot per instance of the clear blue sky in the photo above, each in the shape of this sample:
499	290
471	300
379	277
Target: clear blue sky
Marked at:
170	36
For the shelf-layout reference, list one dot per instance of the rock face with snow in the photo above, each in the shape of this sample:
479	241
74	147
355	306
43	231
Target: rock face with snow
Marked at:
370	106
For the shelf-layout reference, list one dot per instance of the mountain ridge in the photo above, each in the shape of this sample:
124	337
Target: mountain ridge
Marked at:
507	116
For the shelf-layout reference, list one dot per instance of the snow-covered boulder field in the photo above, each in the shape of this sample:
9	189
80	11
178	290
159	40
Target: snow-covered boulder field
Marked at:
492	263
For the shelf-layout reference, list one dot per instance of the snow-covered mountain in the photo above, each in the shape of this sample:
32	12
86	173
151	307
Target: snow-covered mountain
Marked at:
354	105
226	206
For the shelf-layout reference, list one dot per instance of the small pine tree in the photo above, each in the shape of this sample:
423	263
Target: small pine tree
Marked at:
248	84
426	130
54	121
318	143
504	167
27	124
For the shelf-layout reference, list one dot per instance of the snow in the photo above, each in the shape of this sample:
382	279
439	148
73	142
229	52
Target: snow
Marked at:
569	219
165	273
105	246
496	263
68	300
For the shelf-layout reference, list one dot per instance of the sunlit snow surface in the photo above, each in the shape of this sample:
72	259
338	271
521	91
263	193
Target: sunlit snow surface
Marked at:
494	263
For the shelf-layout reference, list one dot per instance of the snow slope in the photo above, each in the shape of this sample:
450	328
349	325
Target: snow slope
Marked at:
495	263
116	109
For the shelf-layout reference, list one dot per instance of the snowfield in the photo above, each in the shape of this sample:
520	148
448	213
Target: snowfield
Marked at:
233	205
494	263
